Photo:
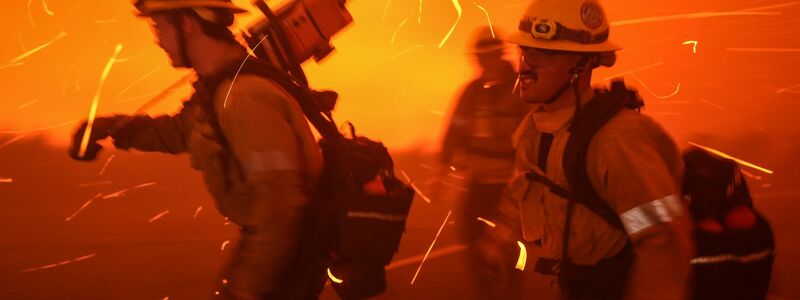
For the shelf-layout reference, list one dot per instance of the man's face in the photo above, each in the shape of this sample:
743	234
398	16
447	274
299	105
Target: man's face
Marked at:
543	73
167	38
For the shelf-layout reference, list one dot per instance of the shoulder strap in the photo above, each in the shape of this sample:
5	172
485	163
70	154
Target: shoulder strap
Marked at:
589	120
305	97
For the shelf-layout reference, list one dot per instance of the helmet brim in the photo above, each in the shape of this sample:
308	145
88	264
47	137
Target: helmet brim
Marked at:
152	8
526	40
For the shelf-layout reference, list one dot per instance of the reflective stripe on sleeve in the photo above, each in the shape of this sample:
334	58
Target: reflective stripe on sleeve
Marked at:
652	213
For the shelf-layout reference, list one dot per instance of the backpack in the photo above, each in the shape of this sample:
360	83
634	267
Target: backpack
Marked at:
704	174
350	231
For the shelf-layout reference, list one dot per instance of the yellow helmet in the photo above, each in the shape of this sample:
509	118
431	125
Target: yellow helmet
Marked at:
565	25
148	7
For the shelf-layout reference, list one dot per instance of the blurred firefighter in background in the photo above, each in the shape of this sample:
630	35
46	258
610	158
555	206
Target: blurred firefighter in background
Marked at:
597	184
477	142
250	140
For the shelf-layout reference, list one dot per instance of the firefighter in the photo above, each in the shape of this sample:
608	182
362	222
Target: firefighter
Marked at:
623	234
478	143
247	136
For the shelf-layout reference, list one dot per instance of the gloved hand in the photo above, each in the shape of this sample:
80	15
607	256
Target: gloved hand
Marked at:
101	129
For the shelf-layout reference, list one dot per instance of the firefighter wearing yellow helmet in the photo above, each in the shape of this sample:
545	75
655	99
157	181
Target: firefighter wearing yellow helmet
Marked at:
248	137
596	183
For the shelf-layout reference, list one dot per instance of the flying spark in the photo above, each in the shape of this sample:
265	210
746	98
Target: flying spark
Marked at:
488	19
787	89
13	140
490	223
30	15
751	175
701	15
84	206
93	110
11	65
457	5
386	9
677	89
434	254
394	34
21	57
136	82
50	266
6	180
523	256
105	166
158	216
26	104
413	186
694	45
763	49
419	15
224	244
47	9
39	129
122	192
404	52
634	70
725	155
225	103
95	183
333	278
431	247
197	212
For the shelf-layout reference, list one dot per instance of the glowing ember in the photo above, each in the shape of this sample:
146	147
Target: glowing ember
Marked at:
66	262
404	52
394	35
25	55
457	5
701	15
93	110
197	212
224	281
763	49
739	161
490	223
413	186
224	244
136	82
225	103
6	180
84	206
431	247
523	256
122	192
105	166
13	140
694	45
39	129
95	183
158	216
47	9
419	15
26	104
677	89
488	19
333	278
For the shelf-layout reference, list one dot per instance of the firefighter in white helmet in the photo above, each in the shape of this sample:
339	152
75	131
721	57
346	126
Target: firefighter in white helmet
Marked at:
601	198
247	136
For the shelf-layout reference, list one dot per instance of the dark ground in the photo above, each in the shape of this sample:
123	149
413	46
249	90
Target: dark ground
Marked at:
178	256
